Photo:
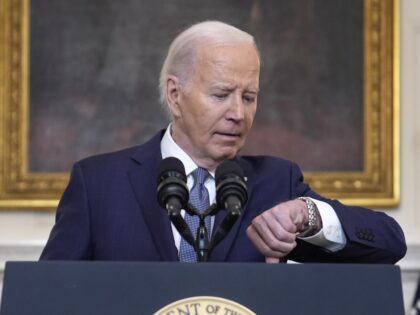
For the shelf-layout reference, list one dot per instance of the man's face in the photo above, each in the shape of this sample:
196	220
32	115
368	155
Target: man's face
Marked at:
214	111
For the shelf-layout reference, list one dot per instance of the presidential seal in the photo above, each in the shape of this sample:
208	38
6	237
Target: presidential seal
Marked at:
204	305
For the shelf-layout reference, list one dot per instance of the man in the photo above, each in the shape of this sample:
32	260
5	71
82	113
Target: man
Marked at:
209	82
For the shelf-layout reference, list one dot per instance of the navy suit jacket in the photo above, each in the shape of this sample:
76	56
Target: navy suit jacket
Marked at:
109	211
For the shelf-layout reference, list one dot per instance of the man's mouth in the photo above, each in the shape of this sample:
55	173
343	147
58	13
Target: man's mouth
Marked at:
229	134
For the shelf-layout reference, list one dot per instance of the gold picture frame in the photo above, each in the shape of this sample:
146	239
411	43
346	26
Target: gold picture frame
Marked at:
378	185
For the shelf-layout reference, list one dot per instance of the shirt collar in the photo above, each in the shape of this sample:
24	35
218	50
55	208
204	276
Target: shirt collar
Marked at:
170	148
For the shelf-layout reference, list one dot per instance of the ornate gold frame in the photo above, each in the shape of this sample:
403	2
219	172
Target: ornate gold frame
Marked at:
378	185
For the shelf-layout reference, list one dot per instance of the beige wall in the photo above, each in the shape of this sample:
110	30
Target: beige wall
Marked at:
20	229
408	214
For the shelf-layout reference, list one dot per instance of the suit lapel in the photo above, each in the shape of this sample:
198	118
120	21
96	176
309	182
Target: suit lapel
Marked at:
222	250
143	180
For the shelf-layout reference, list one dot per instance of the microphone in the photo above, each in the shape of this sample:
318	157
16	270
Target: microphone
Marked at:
173	195
172	191
231	189
231	195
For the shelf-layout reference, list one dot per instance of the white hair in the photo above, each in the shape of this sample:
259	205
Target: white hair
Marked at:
181	57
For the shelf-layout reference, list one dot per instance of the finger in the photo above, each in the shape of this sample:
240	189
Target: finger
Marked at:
284	217
299	212
271	229
272	248
272	260
287	231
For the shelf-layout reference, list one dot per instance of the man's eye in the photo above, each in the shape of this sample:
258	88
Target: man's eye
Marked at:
248	99
221	96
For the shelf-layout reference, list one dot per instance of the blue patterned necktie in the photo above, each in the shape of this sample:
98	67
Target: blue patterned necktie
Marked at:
199	198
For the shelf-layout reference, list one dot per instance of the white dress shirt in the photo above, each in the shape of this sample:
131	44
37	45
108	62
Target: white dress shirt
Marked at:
330	237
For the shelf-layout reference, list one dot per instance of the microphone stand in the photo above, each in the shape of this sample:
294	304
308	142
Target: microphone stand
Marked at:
173	195
202	244
224	227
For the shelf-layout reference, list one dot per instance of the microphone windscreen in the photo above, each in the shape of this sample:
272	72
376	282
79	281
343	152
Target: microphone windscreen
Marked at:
171	166
230	183
228	168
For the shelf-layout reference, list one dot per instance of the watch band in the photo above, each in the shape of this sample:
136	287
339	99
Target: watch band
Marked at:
309	229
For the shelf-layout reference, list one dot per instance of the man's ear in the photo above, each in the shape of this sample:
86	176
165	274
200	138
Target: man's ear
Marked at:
173	95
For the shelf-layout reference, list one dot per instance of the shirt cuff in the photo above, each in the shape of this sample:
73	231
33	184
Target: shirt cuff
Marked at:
331	236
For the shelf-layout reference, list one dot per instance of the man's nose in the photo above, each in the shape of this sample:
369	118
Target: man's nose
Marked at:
237	111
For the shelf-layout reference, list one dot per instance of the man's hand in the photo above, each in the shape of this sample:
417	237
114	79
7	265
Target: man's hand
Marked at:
274	231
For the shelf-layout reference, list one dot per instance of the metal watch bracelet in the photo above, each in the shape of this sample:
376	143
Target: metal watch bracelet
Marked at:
311	227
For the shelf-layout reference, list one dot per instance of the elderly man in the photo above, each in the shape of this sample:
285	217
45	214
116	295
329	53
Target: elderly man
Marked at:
210	83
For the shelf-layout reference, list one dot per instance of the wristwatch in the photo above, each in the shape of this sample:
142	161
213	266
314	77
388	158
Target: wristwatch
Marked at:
311	227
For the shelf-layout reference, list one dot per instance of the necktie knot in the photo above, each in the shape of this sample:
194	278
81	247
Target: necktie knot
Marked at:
200	175
199	196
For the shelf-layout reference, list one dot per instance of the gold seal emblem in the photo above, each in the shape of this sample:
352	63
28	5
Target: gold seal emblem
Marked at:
204	305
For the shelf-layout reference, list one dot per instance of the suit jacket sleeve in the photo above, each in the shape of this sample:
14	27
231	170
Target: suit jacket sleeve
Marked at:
372	236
